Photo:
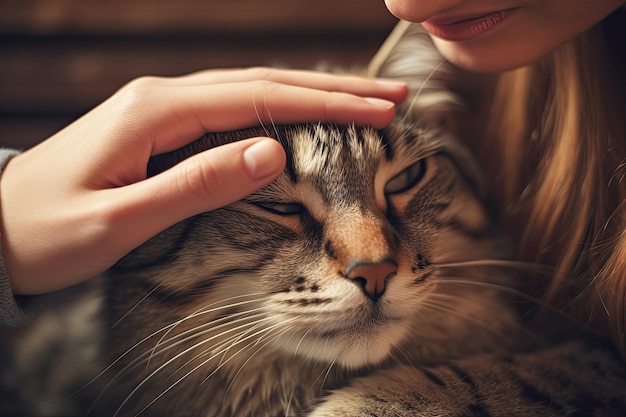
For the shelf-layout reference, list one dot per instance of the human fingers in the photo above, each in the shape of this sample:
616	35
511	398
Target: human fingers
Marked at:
203	182
391	90
178	115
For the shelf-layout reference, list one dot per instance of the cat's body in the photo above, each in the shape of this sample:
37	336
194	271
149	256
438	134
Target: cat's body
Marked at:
365	281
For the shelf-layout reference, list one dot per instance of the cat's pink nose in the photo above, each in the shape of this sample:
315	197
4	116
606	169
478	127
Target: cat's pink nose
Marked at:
372	276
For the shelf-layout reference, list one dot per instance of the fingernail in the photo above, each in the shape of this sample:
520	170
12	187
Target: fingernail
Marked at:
262	159
379	102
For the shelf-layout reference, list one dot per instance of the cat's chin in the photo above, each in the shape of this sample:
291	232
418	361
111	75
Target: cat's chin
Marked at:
355	349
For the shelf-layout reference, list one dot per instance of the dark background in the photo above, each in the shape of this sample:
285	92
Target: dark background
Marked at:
59	58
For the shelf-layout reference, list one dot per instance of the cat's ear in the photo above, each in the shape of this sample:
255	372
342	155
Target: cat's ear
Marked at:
409	55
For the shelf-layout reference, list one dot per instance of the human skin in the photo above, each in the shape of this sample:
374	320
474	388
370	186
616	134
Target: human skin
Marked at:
76	203
507	33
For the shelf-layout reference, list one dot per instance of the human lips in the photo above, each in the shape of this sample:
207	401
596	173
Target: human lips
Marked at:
465	27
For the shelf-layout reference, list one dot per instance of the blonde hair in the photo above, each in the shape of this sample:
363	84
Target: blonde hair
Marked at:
559	129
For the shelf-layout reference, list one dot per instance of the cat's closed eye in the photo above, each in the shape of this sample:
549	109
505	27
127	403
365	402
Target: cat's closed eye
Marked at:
406	179
283	209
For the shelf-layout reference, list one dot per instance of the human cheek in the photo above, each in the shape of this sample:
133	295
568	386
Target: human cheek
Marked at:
418	11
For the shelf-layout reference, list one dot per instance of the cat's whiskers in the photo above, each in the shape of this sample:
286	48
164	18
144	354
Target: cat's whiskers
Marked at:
148	294
302	339
120	357
273	339
444	306
251	336
169	327
444	301
525	266
191	371
523	296
247	319
225	347
135	362
208	310
463	280
207	328
405	359
171	361
221	349
289	400
451	273
185	335
145	356
329	368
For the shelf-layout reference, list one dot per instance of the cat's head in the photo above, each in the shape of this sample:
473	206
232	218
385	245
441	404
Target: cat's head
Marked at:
332	261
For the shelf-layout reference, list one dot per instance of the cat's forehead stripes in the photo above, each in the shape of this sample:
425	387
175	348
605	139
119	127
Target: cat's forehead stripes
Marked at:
340	162
317	148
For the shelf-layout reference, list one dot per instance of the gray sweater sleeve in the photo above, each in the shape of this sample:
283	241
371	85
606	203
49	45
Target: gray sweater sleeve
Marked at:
11	314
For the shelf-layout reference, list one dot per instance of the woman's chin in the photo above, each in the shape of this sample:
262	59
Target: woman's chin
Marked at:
480	58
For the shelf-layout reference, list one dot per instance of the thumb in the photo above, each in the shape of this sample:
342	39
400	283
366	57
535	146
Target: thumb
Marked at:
203	182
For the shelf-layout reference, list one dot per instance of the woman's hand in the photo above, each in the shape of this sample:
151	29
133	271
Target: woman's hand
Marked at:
76	203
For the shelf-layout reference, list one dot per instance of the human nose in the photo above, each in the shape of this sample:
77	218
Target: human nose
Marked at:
419	10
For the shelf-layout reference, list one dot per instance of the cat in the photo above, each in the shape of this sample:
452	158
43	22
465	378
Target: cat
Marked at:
354	257
367	280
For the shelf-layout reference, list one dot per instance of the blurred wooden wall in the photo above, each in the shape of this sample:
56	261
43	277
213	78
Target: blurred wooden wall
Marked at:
59	58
